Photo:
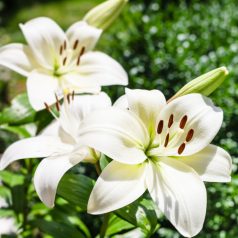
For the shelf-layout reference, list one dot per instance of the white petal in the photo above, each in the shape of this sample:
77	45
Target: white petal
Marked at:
116	133
52	129
48	174
180	195
121	102
100	69
86	35
17	57
117	186
41	88
213	164
146	104
44	37
71	114
203	117
35	147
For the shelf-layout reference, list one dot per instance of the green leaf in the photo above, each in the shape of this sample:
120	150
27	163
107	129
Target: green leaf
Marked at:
104	161
20	111
56	229
140	213
76	189
116	224
11	179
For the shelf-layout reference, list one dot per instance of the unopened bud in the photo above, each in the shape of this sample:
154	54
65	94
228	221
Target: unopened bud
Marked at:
204	84
105	13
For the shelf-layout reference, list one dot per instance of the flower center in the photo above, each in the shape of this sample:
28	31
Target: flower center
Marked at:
68	58
173	136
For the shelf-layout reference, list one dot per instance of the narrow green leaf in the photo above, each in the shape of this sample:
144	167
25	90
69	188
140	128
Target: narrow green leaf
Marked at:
76	189
20	111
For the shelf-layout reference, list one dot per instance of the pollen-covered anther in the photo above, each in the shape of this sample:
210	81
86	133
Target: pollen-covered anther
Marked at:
189	135
65	45
183	122
61	50
160	127
171	120
57	104
166	140
64	60
75	44
80	54
68	98
47	107
181	148
73	94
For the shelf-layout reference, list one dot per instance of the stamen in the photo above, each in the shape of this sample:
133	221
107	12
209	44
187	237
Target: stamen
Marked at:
61	50
166	140
181	148
64	60
80	54
65	45
73	93
75	44
160	127
68	98
57	104
183	122
171	120
190	135
47	107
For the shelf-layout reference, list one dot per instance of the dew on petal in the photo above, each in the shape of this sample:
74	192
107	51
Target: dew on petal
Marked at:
190	135
160	127
181	148
183	122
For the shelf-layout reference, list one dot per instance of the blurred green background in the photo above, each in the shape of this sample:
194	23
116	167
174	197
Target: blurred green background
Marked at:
162	44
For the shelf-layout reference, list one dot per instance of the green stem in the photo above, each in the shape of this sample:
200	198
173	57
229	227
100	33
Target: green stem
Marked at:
97	167
104	225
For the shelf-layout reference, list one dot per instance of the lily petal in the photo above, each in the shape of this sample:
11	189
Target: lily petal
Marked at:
117	186
35	147
41	89
48	174
146	104
179	193
80	34
203	118
44	37
116	133
17	57
100	69
121	102
213	164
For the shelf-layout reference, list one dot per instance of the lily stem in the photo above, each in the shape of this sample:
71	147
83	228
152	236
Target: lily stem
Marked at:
104	225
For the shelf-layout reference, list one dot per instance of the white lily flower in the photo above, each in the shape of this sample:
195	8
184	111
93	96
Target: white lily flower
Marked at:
58	143
161	147
58	62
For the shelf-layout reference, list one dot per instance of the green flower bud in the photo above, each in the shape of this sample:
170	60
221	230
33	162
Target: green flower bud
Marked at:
105	13
204	84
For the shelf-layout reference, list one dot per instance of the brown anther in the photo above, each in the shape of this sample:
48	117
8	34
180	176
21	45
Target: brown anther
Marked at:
61	50
65	45
160	127
82	51
68	98
190	135
166	140
171	120
73	93
75	44
57	104
181	148
64	60
183	122
47	106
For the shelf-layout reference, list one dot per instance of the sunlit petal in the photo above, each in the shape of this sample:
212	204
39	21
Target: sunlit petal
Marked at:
116	187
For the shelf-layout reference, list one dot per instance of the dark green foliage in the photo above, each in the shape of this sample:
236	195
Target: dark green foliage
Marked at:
162	45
